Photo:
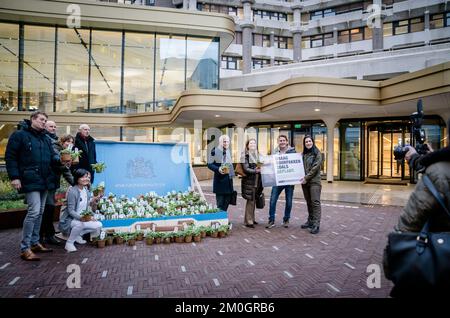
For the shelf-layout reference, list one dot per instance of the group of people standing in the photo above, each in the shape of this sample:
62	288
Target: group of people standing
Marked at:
35	168
251	182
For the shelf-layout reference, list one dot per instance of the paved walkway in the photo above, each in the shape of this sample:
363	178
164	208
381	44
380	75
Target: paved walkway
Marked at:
256	262
346	191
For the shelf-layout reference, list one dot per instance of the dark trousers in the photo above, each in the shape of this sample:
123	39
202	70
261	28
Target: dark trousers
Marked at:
47	228
312	197
223	200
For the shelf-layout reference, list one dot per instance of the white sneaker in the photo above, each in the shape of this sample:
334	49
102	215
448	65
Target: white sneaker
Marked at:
62	236
80	240
70	247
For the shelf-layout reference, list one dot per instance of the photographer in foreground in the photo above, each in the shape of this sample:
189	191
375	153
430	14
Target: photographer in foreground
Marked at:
423	207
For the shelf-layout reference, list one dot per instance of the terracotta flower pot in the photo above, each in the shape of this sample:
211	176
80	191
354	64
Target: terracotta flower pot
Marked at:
119	240
179	239
197	238
188	239
66	157
158	240
101	243
149	240
131	242
203	234
214	234
109	240
140	237
222	234
167	240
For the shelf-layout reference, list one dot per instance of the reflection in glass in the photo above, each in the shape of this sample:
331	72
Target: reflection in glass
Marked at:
9	63
105	71
72	70
138	73
137	134
38	68
350	151
202	63
319	134
170	70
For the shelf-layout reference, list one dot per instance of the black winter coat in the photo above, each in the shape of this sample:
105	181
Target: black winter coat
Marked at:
222	183
30	157
251	184
89	154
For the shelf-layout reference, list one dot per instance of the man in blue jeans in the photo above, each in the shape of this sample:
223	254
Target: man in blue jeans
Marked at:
30	158
283	148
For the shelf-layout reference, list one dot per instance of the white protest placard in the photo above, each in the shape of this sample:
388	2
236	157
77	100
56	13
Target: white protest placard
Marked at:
283	169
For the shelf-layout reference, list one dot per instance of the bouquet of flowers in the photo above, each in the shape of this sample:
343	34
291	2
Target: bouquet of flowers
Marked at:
225	167
98	167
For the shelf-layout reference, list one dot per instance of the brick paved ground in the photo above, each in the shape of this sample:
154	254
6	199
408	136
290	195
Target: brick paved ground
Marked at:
249	263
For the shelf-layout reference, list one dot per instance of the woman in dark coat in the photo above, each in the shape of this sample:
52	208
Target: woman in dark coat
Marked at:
311	186
251	184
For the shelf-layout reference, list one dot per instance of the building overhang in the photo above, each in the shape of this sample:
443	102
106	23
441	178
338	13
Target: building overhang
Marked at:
117	17
308	98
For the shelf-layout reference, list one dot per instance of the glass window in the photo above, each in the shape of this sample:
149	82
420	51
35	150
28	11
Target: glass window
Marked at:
72	70
138	72
328	39
266	40
350	150
202	63
447	19
367	33
38	68
169	134
9	64
224	9
290	43
232	11
316	15
343	36
7	130
387	29
356	34
240	13
106	67
238	38
317	40
306	43
417	25
137	134
437	21
319	134
214	8
257	39
169	73
400	27
266	15
329	12
260	63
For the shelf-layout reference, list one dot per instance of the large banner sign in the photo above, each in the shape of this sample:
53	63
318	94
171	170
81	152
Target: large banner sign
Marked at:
281	170
138	168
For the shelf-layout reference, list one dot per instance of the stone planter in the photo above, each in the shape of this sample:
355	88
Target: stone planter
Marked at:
13	218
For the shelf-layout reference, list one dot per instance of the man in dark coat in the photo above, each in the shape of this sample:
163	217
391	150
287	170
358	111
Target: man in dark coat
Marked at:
85	143
220	162
29	162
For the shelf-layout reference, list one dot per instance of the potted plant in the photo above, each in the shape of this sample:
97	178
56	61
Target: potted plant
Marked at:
223	229
213	232
179	236
188	235
225	167
119	238
66	155
158	237
203	230
76	156
167	238
100	243
109	240
98	167
197	235
86	215
149	238
139	235
99	190
131	239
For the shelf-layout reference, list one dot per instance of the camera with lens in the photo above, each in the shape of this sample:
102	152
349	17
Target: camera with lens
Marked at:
418	135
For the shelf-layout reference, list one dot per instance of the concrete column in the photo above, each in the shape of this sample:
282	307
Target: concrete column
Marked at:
331	123
377	23
185	4
297	29
297	42
247	27
272	48
426	20
193	5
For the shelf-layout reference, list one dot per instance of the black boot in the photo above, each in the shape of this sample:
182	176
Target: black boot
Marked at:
314	229
307	225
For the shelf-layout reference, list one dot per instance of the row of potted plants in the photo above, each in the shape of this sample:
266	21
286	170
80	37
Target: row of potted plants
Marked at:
150	205
191	234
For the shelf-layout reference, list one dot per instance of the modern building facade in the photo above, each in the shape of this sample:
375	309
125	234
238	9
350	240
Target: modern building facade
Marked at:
345	72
